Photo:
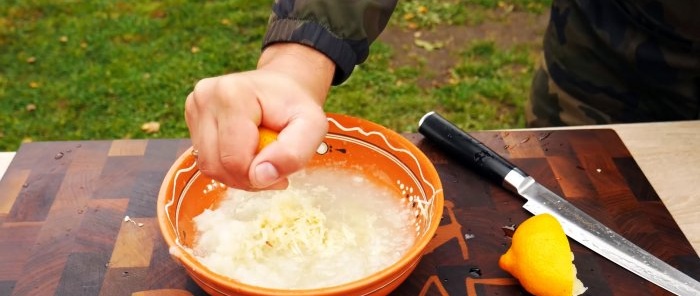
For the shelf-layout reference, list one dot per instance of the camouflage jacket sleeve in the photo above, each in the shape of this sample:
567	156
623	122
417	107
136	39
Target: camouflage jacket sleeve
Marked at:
342	30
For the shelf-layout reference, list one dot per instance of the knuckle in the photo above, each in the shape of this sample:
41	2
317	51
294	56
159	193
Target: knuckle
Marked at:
190	105
201	91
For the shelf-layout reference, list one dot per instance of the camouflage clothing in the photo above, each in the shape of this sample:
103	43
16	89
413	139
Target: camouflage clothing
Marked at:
618	61
342	30
605	61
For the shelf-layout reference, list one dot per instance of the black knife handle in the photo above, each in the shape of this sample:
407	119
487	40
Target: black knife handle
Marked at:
466	148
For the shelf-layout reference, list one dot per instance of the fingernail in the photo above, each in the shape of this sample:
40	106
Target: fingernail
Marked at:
265	174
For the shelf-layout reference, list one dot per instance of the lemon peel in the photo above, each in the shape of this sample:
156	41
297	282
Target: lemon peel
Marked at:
540	258
266	136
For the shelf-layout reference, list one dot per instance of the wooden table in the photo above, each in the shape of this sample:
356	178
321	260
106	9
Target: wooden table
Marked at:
668	153
63	207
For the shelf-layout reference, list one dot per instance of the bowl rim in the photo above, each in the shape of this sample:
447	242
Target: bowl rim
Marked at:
388	275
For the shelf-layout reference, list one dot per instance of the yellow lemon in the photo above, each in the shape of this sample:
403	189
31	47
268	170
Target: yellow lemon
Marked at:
266	136
541	259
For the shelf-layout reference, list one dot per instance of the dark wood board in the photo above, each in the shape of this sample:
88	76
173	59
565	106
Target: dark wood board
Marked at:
62	209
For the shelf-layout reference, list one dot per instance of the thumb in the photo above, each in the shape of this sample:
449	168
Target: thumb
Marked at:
295	145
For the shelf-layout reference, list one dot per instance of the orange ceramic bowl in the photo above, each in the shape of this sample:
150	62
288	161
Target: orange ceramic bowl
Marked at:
378	152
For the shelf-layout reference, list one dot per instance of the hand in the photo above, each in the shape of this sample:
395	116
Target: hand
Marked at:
285	93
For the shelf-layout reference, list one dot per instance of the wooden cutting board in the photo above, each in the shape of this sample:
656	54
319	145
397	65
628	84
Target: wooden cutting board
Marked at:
63	207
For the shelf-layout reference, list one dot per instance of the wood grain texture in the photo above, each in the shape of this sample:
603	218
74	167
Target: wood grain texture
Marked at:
15	234
659	166
127	148
63	230
667	155
14	182
134	245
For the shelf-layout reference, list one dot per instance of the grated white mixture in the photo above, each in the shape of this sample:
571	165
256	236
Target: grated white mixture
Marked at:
328	228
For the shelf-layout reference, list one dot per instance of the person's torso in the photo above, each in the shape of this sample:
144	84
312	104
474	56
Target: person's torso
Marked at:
635	60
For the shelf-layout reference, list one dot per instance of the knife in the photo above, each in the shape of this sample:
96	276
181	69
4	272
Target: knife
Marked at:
577	224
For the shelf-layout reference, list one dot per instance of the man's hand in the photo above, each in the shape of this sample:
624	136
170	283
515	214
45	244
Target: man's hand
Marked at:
285	93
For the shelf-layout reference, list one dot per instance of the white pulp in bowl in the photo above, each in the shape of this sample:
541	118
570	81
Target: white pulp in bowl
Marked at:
329	227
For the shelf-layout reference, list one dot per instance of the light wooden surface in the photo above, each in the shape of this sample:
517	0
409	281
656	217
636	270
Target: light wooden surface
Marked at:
5	159
667	152
669	155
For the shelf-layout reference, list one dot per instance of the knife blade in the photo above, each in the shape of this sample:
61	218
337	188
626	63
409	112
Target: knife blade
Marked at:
577	224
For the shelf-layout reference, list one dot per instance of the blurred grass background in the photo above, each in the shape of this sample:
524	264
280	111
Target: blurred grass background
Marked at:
86	70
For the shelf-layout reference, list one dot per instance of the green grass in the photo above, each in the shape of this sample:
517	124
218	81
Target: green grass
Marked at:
431	13
74	70
487	90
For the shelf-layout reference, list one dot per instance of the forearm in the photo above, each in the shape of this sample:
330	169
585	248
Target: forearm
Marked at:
341	30
309	66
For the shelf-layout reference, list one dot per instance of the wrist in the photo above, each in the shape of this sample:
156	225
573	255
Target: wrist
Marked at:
308	66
